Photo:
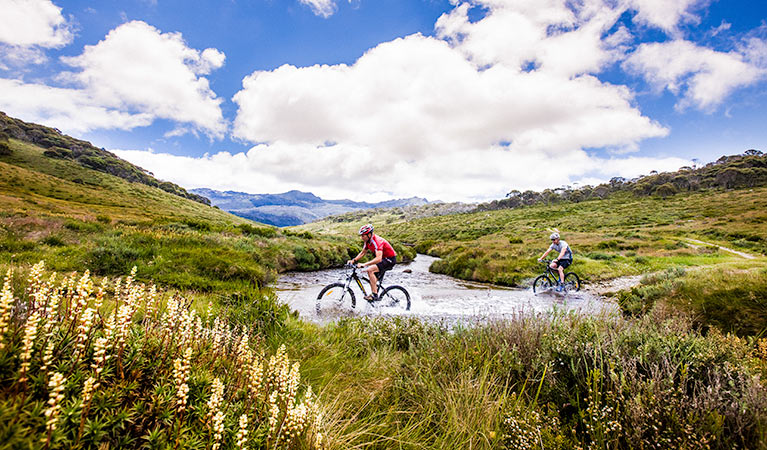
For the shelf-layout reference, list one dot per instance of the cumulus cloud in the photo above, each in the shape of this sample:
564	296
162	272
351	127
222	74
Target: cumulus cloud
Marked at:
135	75
322	8
329	171
701	76
163	77
665	14
26	27
69	109
28	23
482	106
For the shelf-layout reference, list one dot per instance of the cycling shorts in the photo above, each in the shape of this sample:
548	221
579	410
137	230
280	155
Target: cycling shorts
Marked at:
386	264
563	263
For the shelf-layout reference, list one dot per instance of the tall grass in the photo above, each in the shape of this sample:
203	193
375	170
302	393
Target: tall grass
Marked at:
537	382
114	365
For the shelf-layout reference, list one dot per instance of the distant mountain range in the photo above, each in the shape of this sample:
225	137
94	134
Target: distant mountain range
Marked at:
293	207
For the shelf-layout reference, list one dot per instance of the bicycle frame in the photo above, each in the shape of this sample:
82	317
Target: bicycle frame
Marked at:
552	274
359	280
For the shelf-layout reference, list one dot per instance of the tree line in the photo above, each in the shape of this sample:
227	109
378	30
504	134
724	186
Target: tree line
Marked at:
745	170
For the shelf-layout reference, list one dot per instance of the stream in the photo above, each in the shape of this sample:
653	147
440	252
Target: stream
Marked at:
435	297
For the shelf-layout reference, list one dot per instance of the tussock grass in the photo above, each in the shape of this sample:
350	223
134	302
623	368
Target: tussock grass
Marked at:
562	382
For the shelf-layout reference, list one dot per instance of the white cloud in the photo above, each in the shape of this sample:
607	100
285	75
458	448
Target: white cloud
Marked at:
358	173
322	8
136	75
430	116
701	76
138	68
27	27
69	109
28	23
666	14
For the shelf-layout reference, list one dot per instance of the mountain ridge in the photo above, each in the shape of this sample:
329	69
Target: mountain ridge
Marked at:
293	207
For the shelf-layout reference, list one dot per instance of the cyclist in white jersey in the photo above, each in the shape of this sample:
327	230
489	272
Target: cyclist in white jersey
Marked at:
564	259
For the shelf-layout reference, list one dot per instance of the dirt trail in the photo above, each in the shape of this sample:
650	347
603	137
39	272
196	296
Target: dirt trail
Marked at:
735	252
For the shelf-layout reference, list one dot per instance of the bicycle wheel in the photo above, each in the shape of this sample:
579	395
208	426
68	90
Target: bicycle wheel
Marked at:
572	282
395	297
334	295
541	284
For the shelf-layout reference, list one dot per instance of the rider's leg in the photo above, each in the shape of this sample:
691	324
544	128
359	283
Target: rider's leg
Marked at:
372	270
554	266
561	274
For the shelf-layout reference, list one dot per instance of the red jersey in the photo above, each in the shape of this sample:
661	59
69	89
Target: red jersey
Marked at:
376	243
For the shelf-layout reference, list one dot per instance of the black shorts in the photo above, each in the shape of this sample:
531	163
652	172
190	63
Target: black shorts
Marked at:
563	263
386	264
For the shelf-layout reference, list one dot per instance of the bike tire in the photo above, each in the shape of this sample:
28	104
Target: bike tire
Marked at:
541	284
572	282
395	297
334	294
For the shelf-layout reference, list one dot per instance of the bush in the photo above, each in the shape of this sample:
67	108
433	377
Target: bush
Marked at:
116	255
250	230
305	259
76	225
198	225
53	241
5	150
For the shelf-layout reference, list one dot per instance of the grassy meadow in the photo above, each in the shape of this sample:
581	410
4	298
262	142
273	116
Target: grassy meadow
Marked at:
152	324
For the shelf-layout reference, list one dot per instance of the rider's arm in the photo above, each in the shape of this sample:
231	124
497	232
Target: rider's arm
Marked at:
562	253
358	257
544	254
376	260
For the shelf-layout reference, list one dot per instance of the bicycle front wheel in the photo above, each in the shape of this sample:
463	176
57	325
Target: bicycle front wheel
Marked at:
572	282
395	297
541	284
333	296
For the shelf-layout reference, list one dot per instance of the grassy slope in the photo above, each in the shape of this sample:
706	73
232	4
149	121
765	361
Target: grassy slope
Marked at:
621	235
33	184
75	217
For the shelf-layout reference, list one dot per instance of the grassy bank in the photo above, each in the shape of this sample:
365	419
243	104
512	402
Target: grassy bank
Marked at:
733	297
621	235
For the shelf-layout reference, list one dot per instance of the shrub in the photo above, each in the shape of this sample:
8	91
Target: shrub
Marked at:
250	230
305	259
76	225
117	254
5	150
198	225
53	241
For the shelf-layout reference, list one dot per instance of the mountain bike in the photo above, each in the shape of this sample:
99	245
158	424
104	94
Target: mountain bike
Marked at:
550	278
336	294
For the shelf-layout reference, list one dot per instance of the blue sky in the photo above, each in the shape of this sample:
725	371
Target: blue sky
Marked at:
370	100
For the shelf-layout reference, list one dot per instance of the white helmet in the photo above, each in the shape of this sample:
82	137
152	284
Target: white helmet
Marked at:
554	236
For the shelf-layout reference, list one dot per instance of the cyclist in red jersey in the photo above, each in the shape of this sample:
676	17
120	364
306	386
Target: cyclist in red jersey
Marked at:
384	257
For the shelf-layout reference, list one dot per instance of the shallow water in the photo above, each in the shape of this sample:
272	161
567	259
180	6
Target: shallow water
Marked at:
434	296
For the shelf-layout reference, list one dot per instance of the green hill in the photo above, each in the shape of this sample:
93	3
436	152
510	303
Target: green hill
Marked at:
75	216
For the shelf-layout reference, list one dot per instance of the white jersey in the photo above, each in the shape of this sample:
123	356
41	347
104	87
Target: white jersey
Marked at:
558	248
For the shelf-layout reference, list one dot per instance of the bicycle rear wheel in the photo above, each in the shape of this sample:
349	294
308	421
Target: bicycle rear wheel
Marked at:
541	284
334	295
572	282
395	297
